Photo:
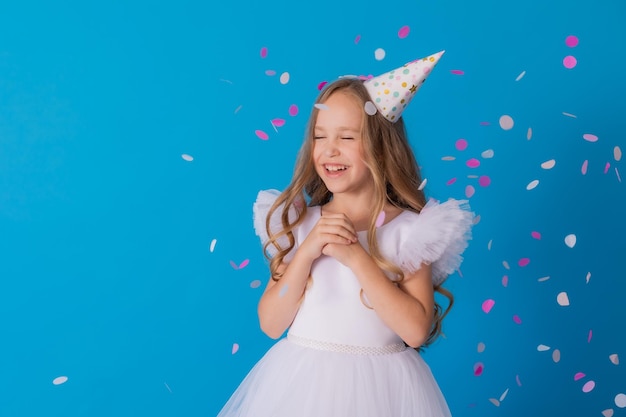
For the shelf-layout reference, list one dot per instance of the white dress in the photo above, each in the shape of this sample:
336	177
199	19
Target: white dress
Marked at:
339	359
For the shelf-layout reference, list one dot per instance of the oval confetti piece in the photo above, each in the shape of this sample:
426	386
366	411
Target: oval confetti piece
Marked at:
548	164
235	348
620	400
505	264
278	122
357	39
293	110
244	264
488	305
370	108
536	235
519	382
532	184
608	412
529	133
589	336
617	153
504	394
556	355
461	144
448	158
380	219
321	85
589	386
473	163
481	347
451	181
506	122
187	157
487	154
517	319
571	41
212	246
543	348
542	279
261	134
494	402
562	299
523	262
469	191
403	32
457	72
570	240
270	72
569	62
588	277
283	291
255	284
520	76
489	244
59	380
579	375
583	168
321	106
478	369
614	358
590	137
606	167
379	54
422	184
484	181
284	78
263	52
505	281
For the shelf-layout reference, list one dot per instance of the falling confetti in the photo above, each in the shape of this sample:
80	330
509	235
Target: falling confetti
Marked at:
489	244
529	134
548	164
614	358
241	265
487	154
461	144
255	284
168	387
588	277
320	106
589	336
403	32
423	184
570	115
284	78
469	191
59	380
357	39
569	62
370	108
478	369
448	158
473	163
235	348
505	264
542	279
571	41
556	355
517	379
606	167
523	262
484	181
504	394
536	235
570	240
608	412
379	54
380	219
590	137
563	299
293	110
451	181
506	122
532	184
187	157
278	122
270	73
617	153
212	246
579	375
457	72
517	319
620	400
543	348
261	134
481	347
488	305
505	281
589	386
321	85
495	402
520	76
283	291
238	108
583	168
263	52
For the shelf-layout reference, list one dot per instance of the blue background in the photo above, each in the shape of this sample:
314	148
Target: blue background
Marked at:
129	164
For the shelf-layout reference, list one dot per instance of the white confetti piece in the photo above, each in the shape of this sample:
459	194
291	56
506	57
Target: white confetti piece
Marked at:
588	277
284	78
238	108
562	299
506	122
503	396
448	158
423	184
494	402
187	157
620	400
608	412
532	184
548	164
370	108
167	386
543	348
283	291
379	54
556	355
235	348
212	245
487	154
320	106
520	76
617	153
481	347
489	244
517	379
614	358
542	279
505	264
529	133
570	115
255	284
570	240
59	380
618	176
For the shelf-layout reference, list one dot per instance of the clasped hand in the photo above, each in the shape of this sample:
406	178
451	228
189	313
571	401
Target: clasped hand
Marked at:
333	235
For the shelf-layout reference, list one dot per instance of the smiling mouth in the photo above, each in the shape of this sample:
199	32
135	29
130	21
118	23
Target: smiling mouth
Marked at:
335	168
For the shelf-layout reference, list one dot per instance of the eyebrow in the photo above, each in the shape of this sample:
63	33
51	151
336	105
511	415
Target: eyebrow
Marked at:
340	128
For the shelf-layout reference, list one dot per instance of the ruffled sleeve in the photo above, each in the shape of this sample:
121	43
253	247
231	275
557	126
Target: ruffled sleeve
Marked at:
260	209
437	236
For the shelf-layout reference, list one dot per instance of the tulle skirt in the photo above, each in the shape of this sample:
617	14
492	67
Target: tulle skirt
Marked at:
294	380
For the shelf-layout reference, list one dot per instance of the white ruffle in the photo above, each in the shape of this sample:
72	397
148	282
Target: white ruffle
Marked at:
264	201
437	236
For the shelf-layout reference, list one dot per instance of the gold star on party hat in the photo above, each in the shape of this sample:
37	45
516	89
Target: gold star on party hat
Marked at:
392	91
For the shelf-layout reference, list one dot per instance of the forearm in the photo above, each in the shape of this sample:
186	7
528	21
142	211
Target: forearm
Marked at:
280	302
404	314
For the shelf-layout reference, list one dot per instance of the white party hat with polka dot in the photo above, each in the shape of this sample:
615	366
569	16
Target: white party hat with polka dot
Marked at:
392	91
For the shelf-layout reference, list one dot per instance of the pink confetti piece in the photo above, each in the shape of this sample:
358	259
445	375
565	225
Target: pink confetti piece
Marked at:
484	181
606	167
562	299
278	122
448	158
321	85
478	369
212	245
293	110
620	400
235	348
403	32
255	284
548	164
589	336
614	358
608	412
59	380
469	191
494	402
517	379
529	133
583	168
488	305
523	262
457	72
517	319
532	185
570	240
589	137
617	153
556	356
520	76
187	157
473	163
270	73
451	181
380	219
505	281
241	265
485	123
589	386
579	375
571	41
543	348
569	62
481	347
261	134
357	39
536	235
506	122
263	52
461	144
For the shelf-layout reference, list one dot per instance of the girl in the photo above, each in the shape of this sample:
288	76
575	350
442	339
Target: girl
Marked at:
356	254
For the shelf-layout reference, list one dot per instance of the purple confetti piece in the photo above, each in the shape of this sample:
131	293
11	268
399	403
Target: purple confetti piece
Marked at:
380	219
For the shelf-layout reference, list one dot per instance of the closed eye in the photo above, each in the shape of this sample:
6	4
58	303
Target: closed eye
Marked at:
319	137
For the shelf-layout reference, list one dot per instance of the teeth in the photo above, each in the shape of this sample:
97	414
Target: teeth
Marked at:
335	167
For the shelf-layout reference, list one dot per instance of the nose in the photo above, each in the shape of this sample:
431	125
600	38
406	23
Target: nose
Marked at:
331	148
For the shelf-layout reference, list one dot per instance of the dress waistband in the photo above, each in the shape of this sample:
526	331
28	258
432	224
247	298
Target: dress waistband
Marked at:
355	350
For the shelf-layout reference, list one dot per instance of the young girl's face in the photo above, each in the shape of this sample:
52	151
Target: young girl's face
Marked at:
338	146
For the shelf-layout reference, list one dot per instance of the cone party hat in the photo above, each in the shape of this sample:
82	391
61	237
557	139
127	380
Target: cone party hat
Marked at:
392	91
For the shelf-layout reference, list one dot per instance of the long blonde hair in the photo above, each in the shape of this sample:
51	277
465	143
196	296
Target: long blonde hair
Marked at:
396	177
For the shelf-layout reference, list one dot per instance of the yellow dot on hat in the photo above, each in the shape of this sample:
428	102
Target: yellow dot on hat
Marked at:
387	91
404	84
